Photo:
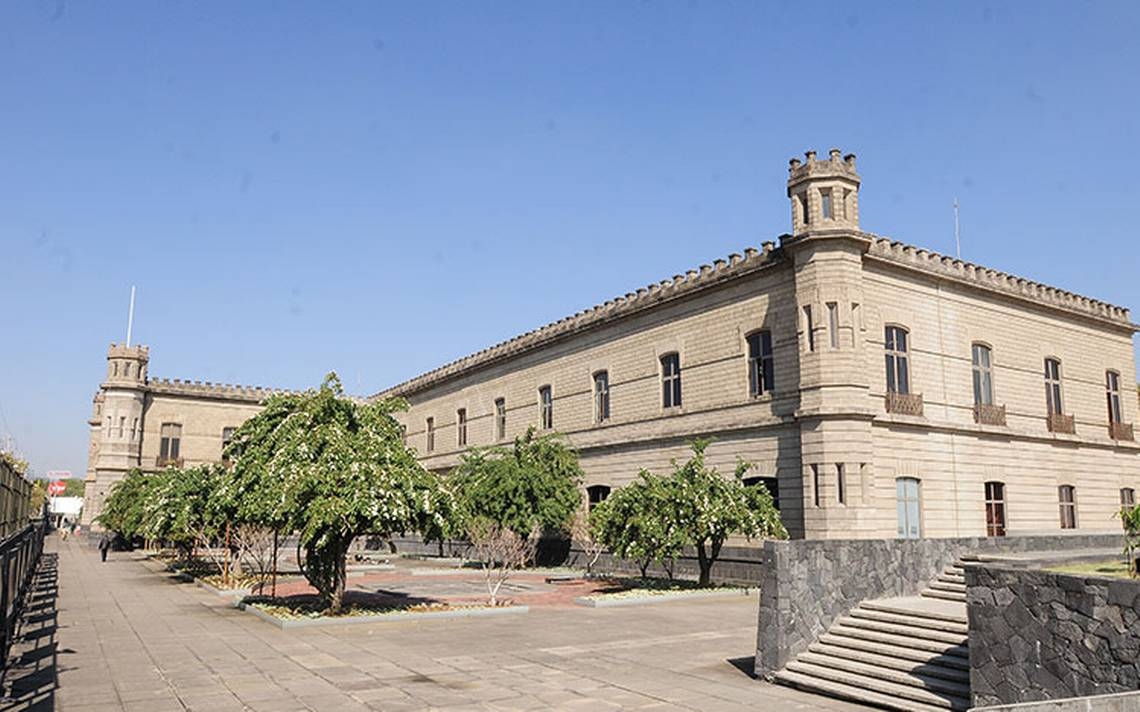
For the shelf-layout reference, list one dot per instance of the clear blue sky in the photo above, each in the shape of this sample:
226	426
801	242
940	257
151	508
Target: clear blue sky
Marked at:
380	188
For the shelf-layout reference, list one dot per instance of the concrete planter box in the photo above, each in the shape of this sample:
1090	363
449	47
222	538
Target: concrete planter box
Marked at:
665	598
224	592
286	624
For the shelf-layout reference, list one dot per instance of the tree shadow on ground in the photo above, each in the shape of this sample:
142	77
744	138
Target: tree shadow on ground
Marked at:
32	675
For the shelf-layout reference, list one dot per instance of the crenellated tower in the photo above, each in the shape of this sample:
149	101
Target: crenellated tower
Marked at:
827	248
117	422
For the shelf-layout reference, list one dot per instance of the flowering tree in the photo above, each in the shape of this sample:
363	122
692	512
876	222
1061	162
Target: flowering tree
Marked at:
329	468
707	507
634	523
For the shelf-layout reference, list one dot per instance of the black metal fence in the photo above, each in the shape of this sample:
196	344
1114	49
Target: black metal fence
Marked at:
15	500
19	555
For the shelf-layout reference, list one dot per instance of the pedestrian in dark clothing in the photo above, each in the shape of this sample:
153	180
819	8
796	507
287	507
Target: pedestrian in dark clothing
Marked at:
104	546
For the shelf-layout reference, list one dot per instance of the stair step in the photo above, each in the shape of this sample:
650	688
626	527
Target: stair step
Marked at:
890	606
941	624
851	693
890	674
952	578
907	631
920	664
935	699
949	659
901	641
948	586
944	595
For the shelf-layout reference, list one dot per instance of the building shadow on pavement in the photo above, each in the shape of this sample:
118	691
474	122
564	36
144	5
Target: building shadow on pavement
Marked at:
745	665
32	675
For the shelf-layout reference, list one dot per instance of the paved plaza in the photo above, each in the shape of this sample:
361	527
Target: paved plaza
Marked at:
129	638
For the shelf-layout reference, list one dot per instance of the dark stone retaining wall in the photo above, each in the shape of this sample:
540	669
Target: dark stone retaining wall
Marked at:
1038	635
737	564
806	585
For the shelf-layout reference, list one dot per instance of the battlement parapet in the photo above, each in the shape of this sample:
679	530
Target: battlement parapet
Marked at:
681	285
959	270
208	389
833	166
141	353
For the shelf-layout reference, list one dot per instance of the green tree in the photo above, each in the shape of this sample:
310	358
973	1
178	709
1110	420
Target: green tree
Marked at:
1130	516
124	509
74	487
530	485
634	523
179	510
708	508
330	468
38	497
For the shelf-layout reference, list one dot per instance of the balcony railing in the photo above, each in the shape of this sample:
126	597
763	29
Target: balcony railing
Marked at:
989	414
1120	431
1061	423
161	461
904	403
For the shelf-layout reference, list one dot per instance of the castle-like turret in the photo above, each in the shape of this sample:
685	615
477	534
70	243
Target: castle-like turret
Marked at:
827	248
124	398
825	194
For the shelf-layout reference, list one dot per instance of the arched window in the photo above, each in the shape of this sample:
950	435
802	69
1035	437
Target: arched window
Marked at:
995	509
601	396
500	418
546	407
771	484
760	363
982	359
1053	401
1127	498
596	494
897	359
909	505
1067	496
671	380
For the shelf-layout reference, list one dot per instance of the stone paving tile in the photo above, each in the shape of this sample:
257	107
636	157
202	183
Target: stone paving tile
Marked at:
141	640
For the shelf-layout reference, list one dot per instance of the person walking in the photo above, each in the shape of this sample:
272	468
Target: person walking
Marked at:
104	546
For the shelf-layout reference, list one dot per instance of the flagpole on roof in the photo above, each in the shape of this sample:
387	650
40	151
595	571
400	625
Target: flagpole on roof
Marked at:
131	316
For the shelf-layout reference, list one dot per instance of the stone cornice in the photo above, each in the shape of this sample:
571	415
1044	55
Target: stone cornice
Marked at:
218	391
962	272
680	286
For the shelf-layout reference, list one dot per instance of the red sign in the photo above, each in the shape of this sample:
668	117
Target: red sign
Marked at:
55	489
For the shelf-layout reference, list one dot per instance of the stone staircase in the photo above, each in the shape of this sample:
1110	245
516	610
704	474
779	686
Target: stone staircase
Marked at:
895	653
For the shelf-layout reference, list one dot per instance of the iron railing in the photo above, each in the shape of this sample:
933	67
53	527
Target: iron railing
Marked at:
987	414
1120	431
1061	423
19	556
904	403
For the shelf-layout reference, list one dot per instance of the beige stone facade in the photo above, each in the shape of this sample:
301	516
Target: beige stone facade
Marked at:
150	423
840	445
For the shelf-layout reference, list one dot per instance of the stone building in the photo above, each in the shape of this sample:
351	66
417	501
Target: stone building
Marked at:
152	423
879	389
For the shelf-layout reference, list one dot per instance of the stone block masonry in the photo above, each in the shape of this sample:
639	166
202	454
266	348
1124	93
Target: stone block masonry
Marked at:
807	585
1038	635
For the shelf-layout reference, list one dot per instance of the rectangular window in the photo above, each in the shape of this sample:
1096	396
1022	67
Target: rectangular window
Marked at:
170	441
909	506
856	315
805	208
135	429
815	484
227	436
825	204
601	396
995	509
983	374
761	366
122	425
898	361
1053	387
833	324
671	380
841	483
1112	392
1067	495
500	418
429	427
1127	498
809	328
461	427
595	495
546	407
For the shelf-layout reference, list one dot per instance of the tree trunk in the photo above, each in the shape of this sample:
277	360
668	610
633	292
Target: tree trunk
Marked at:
705	563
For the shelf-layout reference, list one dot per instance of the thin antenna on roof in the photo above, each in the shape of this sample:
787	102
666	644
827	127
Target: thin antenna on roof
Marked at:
131	316
957	236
